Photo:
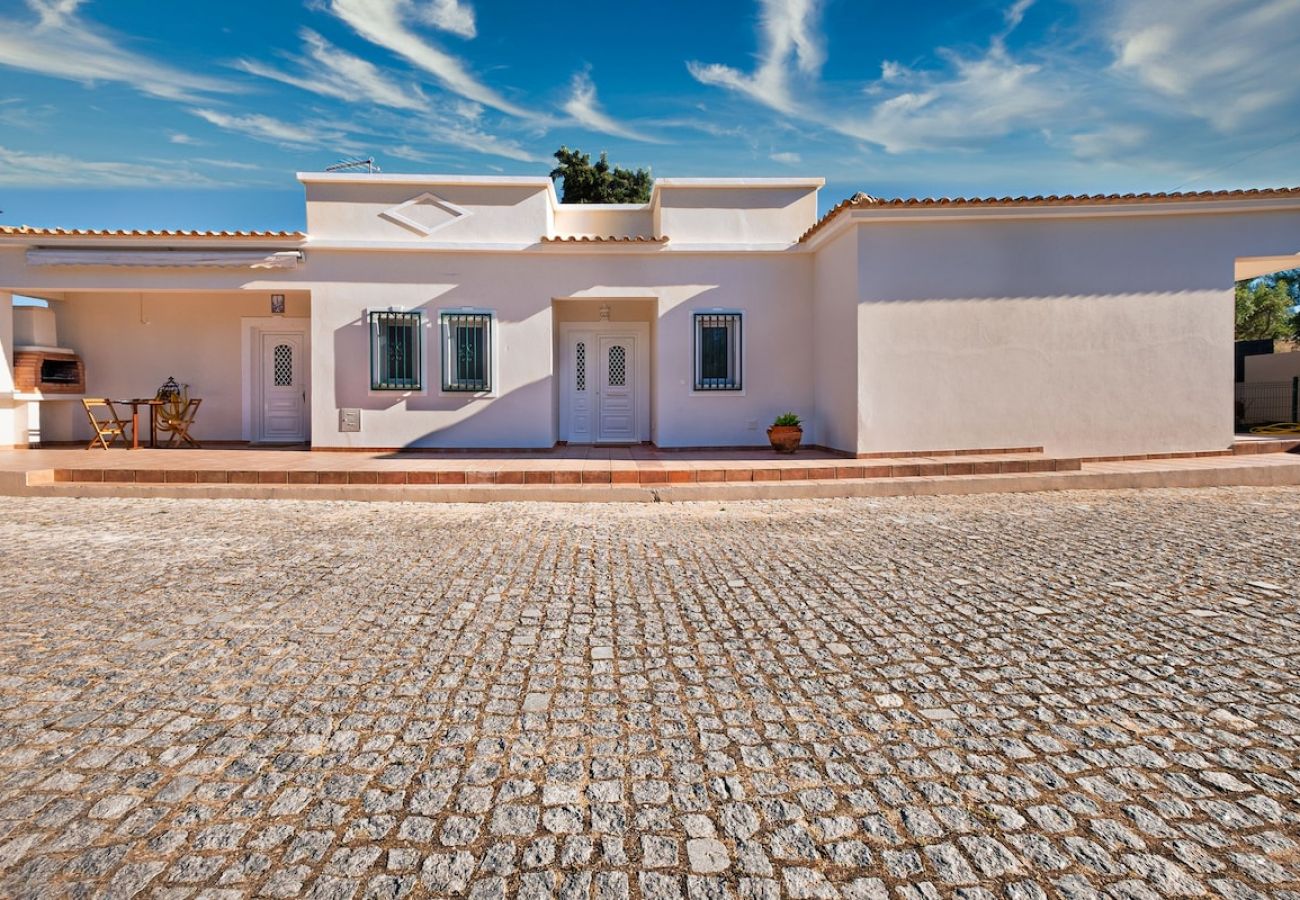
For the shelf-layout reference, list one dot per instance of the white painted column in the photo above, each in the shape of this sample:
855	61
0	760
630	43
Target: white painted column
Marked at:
8	413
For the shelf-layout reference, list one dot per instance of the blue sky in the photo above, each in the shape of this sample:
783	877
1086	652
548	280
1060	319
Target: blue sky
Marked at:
127	113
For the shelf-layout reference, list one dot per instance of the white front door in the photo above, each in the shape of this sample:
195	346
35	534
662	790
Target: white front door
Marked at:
581	389
283	406
616	389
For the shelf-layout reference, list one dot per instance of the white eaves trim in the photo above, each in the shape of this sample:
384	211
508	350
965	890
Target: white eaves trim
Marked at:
887	215
384	178
740	182
172	259
550	249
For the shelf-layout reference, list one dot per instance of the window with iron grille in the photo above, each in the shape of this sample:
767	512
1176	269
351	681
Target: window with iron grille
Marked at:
717	352
395	351
466	351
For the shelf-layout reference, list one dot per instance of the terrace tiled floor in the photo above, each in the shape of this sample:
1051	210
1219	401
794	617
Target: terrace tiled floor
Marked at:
1074	694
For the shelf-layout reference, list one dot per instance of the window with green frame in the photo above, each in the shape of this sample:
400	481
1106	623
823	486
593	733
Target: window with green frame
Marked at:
395	351
717	352
466	351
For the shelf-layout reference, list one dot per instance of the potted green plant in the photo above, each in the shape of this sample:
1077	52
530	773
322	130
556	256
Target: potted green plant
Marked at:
785	433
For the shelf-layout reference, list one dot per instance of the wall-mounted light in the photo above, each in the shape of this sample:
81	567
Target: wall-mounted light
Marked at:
277	304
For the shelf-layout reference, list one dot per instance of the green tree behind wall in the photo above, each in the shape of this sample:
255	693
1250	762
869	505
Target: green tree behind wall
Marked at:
1266	307
585	182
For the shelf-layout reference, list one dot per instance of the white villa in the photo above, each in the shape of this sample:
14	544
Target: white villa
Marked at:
430	311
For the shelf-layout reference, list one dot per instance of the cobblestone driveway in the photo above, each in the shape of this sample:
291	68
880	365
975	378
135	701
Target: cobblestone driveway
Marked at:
1058	694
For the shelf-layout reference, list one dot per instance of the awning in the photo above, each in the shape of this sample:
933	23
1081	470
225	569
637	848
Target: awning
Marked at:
172	259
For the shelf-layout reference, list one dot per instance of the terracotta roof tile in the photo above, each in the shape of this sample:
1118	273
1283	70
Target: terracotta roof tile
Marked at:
866	201
30	231
605	239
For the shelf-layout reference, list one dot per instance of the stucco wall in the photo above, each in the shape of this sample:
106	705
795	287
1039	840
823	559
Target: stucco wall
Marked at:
834	351
8	423
1091	336
131	344
520	289
1272	367
603	220
751	215
497	213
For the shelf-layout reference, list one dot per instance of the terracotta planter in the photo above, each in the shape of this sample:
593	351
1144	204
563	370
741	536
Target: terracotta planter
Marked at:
785	438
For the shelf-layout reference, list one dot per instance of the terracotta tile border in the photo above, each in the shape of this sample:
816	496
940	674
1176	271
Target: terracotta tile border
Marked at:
649	472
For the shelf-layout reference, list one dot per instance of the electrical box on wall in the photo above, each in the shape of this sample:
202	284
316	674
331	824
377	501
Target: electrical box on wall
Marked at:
349	420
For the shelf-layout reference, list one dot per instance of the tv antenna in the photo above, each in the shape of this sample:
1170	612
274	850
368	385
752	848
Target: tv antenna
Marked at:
344	165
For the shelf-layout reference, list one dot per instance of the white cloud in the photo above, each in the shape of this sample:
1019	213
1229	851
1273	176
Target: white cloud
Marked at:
972	98
1014	14
448	132
450	15
177	137
273	131
789	29
61	45
16	114
787	158
332	72
385	23
228	164
585	109
983	97
1109	141
20	169
1224	61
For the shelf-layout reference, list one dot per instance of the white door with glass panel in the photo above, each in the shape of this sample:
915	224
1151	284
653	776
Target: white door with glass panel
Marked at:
284	389
581	390
616	388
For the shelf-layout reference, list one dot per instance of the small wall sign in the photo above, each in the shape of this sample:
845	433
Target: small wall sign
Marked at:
277	304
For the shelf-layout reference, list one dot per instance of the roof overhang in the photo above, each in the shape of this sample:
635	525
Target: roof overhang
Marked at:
1249	267
169	259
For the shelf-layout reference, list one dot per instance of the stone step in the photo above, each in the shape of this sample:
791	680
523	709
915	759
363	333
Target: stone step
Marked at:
583	473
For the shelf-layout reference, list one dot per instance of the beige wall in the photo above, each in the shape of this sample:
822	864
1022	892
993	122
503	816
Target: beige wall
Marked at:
9	425
131	343
1273	367
834	353
520	289
750	215
1091	336
497	213
603	221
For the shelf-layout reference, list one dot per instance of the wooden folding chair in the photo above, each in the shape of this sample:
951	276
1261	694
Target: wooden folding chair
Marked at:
176	418
109	428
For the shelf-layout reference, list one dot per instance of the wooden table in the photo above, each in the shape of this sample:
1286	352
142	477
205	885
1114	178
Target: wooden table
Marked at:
153	403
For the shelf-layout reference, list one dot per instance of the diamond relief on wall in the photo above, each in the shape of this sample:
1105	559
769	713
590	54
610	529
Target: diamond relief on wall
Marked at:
425	214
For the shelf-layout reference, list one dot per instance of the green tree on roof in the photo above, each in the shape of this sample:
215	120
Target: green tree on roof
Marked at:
584	182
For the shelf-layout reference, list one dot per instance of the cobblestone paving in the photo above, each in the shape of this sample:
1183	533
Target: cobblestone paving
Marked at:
1023	696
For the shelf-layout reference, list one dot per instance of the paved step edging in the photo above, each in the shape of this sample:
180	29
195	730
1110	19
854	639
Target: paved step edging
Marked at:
1278	475
575	477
